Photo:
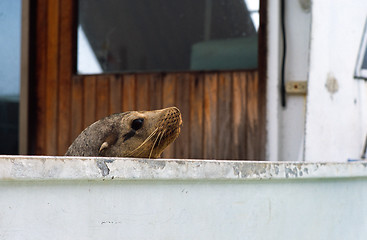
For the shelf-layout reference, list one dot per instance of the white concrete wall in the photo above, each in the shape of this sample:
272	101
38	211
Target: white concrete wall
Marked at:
273	76
106	198
292	117
286	125
336	121
322	49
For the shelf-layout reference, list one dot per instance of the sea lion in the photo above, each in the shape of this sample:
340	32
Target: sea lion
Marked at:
140	134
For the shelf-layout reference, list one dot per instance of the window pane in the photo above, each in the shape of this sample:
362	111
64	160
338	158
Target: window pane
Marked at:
10	28
166	35
361	67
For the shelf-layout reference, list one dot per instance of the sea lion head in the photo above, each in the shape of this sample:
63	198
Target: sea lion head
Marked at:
142	134
145	133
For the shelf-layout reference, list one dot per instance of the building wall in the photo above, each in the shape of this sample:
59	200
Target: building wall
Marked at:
292	116
99	198
322	48
336	119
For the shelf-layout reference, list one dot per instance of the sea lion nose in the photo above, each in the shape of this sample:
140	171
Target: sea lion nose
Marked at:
173	110
178	115
175	113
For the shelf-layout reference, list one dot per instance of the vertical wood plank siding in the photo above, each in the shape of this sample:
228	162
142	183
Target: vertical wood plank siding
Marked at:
65	71
223	112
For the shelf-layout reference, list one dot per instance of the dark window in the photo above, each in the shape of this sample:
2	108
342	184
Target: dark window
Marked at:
10	28
167	35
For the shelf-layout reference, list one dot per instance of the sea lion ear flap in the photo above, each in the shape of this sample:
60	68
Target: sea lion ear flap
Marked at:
109	141
103	146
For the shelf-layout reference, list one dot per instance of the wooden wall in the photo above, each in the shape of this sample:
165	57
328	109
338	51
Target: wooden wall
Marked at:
223	112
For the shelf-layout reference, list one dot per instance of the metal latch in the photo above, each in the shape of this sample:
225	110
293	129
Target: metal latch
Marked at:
296	87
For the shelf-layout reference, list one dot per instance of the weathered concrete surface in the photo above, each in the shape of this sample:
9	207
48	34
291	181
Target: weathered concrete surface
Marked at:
98	198
77	168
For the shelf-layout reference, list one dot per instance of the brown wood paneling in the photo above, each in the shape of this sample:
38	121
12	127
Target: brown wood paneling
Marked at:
142	92
89	100
115	94
223	112
210	115
155	88
128	93
52	77
77	107
65	75
169	90
224	126
182	148
38	75
196	115
168	100
102	100
252	118
239	115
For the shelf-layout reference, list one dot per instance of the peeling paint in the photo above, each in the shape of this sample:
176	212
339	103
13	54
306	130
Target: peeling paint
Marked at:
180	162
331	84
156	164
289	172
94	168
101	164
243	171
276	168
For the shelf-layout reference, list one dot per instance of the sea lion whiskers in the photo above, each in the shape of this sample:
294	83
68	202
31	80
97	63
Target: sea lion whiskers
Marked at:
159	135
163	132
155	141
145	141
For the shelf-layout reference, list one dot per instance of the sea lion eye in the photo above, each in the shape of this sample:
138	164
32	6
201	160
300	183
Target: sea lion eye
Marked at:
137	124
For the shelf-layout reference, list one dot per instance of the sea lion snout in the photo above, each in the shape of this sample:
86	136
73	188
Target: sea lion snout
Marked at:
131	134
172	117
170	124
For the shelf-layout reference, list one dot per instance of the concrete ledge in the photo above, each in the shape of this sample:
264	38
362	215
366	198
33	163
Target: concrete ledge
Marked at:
82	168
109	198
